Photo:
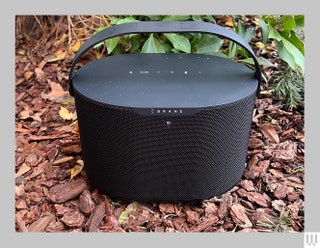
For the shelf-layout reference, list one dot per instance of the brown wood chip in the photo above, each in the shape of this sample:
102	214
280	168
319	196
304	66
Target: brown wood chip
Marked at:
63	160
96	217
253	197
269	132
73	218
222	210
192	216
167	208
86	204
66	191
255	143
207	223
47	137
41	224
281	191
21	224
239	216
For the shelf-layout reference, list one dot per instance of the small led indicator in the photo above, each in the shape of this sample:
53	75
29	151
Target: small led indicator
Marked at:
144	72
168	123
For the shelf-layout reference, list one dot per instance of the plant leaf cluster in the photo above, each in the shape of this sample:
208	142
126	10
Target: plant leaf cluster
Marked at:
287	33
161	43
284	30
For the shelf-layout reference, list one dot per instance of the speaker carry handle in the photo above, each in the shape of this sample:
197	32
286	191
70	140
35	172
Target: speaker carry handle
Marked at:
163	27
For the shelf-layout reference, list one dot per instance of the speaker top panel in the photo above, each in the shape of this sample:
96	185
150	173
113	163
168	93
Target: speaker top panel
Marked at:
165	80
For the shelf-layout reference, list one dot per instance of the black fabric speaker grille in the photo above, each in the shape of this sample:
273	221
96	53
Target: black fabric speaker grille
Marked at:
136	157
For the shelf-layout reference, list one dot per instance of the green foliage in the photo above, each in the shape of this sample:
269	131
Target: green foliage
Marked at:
284	31
174	42
234	49
288	86
179	42
155	43
152	45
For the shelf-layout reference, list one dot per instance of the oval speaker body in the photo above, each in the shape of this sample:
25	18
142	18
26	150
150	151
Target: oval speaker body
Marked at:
164	127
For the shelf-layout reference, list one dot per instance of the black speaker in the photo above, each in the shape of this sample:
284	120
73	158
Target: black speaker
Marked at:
164	127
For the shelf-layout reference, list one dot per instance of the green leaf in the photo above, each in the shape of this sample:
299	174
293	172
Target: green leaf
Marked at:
194	41
97	31
242	52
265	31
152	45
167	47
274	34
286	55
245	33
112	43
271	20
135	43
114	20
232	49
220	54
123	217
248	34
155	17
241	29
176	18
179	42
117	50
261	60
197	18
287	23
174	50
299	19
287	51
209	44
297	55
126	20
210	18
291	37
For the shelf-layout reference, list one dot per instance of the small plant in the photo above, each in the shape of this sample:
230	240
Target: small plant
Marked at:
287	33
288	86
161	43
281	223
298	169
173	42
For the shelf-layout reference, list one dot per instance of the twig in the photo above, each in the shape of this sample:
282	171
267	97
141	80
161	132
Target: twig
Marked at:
70	26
